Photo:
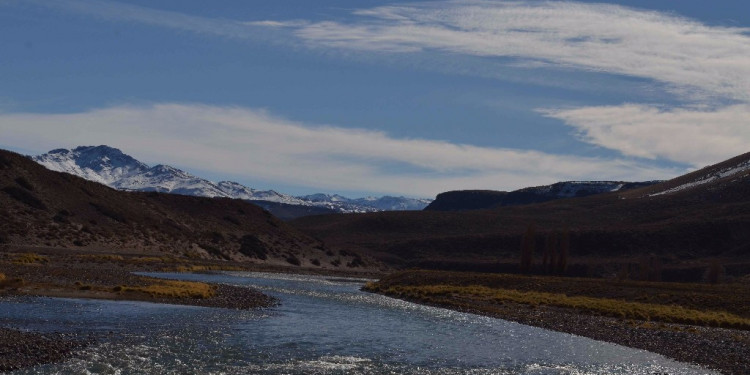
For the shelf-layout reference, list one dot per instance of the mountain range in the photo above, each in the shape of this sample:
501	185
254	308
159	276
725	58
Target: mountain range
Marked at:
112	167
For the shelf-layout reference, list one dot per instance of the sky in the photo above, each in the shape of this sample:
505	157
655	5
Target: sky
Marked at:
382	97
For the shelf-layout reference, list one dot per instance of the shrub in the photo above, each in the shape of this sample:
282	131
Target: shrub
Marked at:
108	212
232	220
24	197
251	246
293	260
315	261
24	183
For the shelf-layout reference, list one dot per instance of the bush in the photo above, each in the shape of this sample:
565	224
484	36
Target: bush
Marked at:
232	220
315	262
251	246
293	260
24	197
108	212
24	183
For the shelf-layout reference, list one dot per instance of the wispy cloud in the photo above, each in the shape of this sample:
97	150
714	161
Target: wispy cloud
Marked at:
702	64
698	137
706	67
594	37
260	146
111	10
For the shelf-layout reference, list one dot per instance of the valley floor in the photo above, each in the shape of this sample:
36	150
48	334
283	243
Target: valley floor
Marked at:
530	300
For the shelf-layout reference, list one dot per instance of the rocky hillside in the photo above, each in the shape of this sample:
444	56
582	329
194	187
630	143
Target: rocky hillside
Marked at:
43	208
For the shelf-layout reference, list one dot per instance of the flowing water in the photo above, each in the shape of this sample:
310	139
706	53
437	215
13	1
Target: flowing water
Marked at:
323	326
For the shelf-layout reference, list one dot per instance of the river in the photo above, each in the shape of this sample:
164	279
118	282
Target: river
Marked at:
323	326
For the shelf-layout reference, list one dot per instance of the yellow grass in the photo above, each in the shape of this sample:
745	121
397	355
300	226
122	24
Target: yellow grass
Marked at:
198	268
2	277
101	257
603	306
30	258
174	289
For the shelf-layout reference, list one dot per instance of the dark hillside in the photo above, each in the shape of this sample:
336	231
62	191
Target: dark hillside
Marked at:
43	208
680	231
463	200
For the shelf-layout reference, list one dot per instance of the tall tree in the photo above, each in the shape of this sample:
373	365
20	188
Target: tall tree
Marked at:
564	252
528	243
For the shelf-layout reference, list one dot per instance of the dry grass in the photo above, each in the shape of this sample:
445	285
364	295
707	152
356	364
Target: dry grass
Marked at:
30	258
102	257
2	277
173	289
199	268
602	306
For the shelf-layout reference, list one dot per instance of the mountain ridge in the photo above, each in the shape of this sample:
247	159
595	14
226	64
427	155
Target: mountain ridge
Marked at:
111	167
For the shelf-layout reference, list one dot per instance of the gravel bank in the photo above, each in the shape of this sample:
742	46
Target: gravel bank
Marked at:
724	350
20	349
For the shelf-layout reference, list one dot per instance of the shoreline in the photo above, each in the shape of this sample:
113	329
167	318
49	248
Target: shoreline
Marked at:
717	349
726	350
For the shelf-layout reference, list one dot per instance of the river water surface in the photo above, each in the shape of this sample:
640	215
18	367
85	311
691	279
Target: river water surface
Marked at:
323	326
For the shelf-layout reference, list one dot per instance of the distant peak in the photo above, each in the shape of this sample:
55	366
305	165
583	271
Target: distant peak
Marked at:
101	148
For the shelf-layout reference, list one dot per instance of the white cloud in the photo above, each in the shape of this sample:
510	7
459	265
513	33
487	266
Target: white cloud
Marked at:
255	144
701	64
594	37
698	137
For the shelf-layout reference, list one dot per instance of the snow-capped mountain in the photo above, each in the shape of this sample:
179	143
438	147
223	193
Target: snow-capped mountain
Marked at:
103	164
368	204
111	167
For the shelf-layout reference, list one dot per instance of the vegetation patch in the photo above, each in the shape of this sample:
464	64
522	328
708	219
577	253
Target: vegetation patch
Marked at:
24	197
30	258
109	212
208	267
251	246
173	289
609	307
101	257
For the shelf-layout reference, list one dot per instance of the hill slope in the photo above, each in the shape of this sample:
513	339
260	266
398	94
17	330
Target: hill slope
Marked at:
480	199
40	207
678	226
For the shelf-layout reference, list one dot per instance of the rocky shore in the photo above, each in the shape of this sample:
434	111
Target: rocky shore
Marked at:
719	349
20	349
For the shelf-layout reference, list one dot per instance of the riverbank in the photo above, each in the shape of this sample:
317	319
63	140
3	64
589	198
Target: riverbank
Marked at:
19	349
67	273
724	349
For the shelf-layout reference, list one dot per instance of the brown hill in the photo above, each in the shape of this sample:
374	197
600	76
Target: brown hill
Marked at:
678	223
42	208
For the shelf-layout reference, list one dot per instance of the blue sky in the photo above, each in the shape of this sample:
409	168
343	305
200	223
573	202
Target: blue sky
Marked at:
382	97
